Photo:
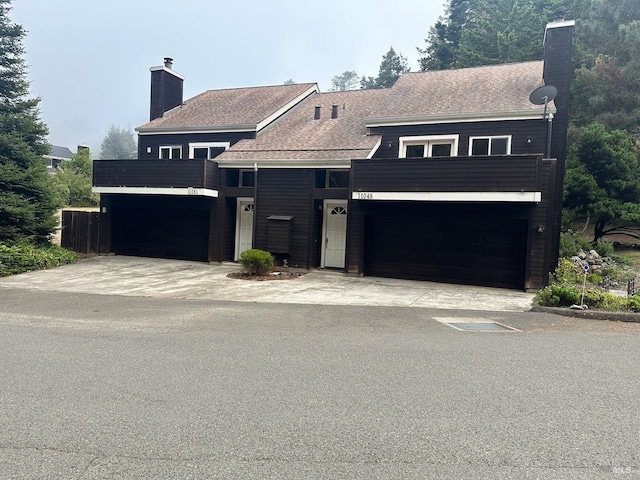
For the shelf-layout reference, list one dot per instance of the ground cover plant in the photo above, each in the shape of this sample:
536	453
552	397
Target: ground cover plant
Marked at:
25	257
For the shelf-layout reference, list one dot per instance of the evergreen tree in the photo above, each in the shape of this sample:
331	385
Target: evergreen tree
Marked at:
345	81
393	65
76	175
603	181
27	198
118	144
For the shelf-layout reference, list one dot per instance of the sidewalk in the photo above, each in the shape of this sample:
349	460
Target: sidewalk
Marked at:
138	276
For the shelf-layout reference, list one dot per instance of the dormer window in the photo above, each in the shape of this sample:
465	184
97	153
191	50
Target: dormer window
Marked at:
490	145
428	146
173	152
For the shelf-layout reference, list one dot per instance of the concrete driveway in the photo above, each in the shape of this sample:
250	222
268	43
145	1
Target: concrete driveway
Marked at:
149	277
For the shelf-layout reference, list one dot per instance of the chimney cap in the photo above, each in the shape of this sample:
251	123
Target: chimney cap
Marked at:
168	62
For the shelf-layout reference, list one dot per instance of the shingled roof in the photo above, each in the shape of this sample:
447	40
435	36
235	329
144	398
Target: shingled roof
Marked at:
248	108
479	92
298	136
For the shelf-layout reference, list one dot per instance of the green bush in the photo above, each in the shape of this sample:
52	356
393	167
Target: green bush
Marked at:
571	243
568	272
604	249
633	303
24	257
256	262
558	296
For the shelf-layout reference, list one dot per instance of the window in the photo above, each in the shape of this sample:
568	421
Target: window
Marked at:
246	178
171	153
337	179
490	145
207	150
429	146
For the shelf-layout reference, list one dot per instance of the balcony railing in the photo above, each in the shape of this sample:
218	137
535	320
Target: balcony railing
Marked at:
156	173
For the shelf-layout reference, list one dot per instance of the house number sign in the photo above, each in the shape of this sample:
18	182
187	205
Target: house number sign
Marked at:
365	196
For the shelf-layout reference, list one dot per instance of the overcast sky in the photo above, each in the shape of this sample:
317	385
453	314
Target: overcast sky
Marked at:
89	60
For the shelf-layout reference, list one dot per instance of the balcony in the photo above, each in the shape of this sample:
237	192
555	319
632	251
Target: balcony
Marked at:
156	177
513	178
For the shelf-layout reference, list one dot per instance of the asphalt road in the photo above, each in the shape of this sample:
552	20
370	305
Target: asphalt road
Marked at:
102	387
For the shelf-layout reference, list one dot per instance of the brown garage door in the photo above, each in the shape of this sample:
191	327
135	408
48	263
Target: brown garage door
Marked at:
162	232
447	249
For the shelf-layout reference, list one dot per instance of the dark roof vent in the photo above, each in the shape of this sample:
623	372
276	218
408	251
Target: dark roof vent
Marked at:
316	115
334	111
168	62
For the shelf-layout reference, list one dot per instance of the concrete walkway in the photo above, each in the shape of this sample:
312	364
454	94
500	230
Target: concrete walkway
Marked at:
138	276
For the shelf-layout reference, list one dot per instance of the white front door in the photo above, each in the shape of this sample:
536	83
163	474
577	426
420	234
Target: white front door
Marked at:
335	234
244	226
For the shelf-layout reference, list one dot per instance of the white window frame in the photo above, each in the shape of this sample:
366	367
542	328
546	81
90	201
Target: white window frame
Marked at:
170	148
428	141
193	146
490	138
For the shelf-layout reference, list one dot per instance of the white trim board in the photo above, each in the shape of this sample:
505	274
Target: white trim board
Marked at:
281	111
168	70
457	118
187	192
523	197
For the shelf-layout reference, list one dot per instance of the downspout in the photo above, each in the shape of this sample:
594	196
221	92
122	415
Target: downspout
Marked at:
549	131
255	198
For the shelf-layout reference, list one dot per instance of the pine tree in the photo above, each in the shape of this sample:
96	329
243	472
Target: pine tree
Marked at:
393	65
27	198
118	144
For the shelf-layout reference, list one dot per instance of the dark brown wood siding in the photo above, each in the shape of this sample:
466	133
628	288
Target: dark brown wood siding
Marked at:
450	174
512	227
521	132
456	243
183	139
287	193
166	93
161	226
155	173
557	72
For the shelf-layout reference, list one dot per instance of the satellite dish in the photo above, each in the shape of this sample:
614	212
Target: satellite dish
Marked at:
543	95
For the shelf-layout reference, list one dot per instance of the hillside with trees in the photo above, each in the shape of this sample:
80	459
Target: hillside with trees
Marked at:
602	176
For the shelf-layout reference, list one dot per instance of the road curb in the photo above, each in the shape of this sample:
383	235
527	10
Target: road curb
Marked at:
590	314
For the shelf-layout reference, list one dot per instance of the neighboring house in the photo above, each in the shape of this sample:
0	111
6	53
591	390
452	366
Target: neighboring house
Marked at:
56	156
447	176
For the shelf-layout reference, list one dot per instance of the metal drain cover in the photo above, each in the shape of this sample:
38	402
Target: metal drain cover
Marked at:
476	325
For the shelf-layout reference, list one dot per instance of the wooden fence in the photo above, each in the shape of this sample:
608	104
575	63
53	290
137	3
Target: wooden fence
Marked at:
80	231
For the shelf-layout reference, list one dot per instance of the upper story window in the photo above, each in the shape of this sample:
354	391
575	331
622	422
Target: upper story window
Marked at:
207	150
246	178
429	146
173	152
332	179
490	145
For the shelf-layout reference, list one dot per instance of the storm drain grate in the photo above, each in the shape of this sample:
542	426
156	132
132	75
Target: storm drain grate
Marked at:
477	325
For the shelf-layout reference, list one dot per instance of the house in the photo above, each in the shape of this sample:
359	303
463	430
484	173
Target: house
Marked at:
56	156
452	176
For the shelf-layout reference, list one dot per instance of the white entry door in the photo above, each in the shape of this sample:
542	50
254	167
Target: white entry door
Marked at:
335	234
244	226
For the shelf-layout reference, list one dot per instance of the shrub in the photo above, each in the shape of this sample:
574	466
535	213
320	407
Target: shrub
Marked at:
604	249
633	303
256	262
568	272
571	243
557	296
24	257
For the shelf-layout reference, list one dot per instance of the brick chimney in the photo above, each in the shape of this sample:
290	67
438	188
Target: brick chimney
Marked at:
166	89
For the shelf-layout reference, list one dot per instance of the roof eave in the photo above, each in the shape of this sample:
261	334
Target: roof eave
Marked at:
458	118
246	127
